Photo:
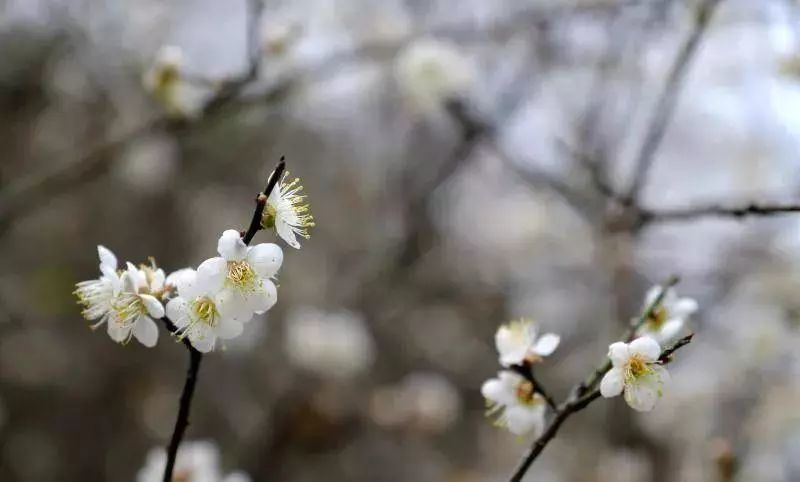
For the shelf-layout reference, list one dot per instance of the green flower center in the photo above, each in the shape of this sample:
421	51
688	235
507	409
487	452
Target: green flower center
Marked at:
636	368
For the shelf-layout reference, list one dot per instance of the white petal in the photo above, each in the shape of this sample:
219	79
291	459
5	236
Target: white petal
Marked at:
187	284
669	331
522	420
618	353
177	311
684	308
154	307
495	390
157	282
266	259
117	332
231	247
205	344
175	277
646	347
612	383
211	276
232	306
146	331
107	258
128	281
228	329
264	299
137	276
285	231
547	344
643	394
511	347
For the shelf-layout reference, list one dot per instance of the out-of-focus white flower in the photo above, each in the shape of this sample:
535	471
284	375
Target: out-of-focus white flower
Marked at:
635	372
425	401
97	295
202	311
195	462
669	317
431	72
123	301
165	81
288	212
521	410
248	269
518	342
333	345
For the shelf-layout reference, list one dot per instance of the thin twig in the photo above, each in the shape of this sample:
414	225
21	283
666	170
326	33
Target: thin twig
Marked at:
667	100
586	392
691	213
261	201
666	355
182	421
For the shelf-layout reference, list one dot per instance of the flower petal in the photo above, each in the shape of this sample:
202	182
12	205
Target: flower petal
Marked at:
286	232
547	344
521	420
228	329
146	331
232	305
176	277
107	258
117	332
683	308
231	247
644	392
495	390
264	299
204	344
511	346
612	383
618	353
669	331
178	311
211	276
154	307
646	347
266	259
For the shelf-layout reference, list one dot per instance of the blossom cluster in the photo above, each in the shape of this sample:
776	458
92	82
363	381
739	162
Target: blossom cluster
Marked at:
205	304
635	368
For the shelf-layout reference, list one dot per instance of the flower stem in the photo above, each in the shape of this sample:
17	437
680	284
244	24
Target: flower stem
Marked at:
195	357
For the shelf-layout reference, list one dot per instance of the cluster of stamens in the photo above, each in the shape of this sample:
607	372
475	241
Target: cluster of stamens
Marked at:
290	194
241	275
636	368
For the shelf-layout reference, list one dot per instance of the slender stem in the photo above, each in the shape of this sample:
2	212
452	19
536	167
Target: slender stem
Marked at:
261	201
737	212
182	421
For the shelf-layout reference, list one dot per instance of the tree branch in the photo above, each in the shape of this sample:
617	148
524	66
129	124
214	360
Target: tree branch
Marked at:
182	421
667	100
586	392
261	201
692	213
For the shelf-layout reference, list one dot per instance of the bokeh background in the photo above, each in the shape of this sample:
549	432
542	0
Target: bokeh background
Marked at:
468	162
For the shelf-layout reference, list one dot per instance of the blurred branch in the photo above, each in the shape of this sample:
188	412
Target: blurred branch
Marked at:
692	213
668	99
586	392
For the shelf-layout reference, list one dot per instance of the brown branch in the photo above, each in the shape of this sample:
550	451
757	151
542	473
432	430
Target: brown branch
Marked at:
692	213
587	391
666	355
667	100
261	201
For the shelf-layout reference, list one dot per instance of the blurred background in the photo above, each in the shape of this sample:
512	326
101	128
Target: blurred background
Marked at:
467	162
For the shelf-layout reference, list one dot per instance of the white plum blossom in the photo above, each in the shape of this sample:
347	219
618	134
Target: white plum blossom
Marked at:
202	311
123	301
196	461
134	308
636	372
165	80
518	342
97	295
288	212
669	317
520	409
333	345
430	72
247	288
